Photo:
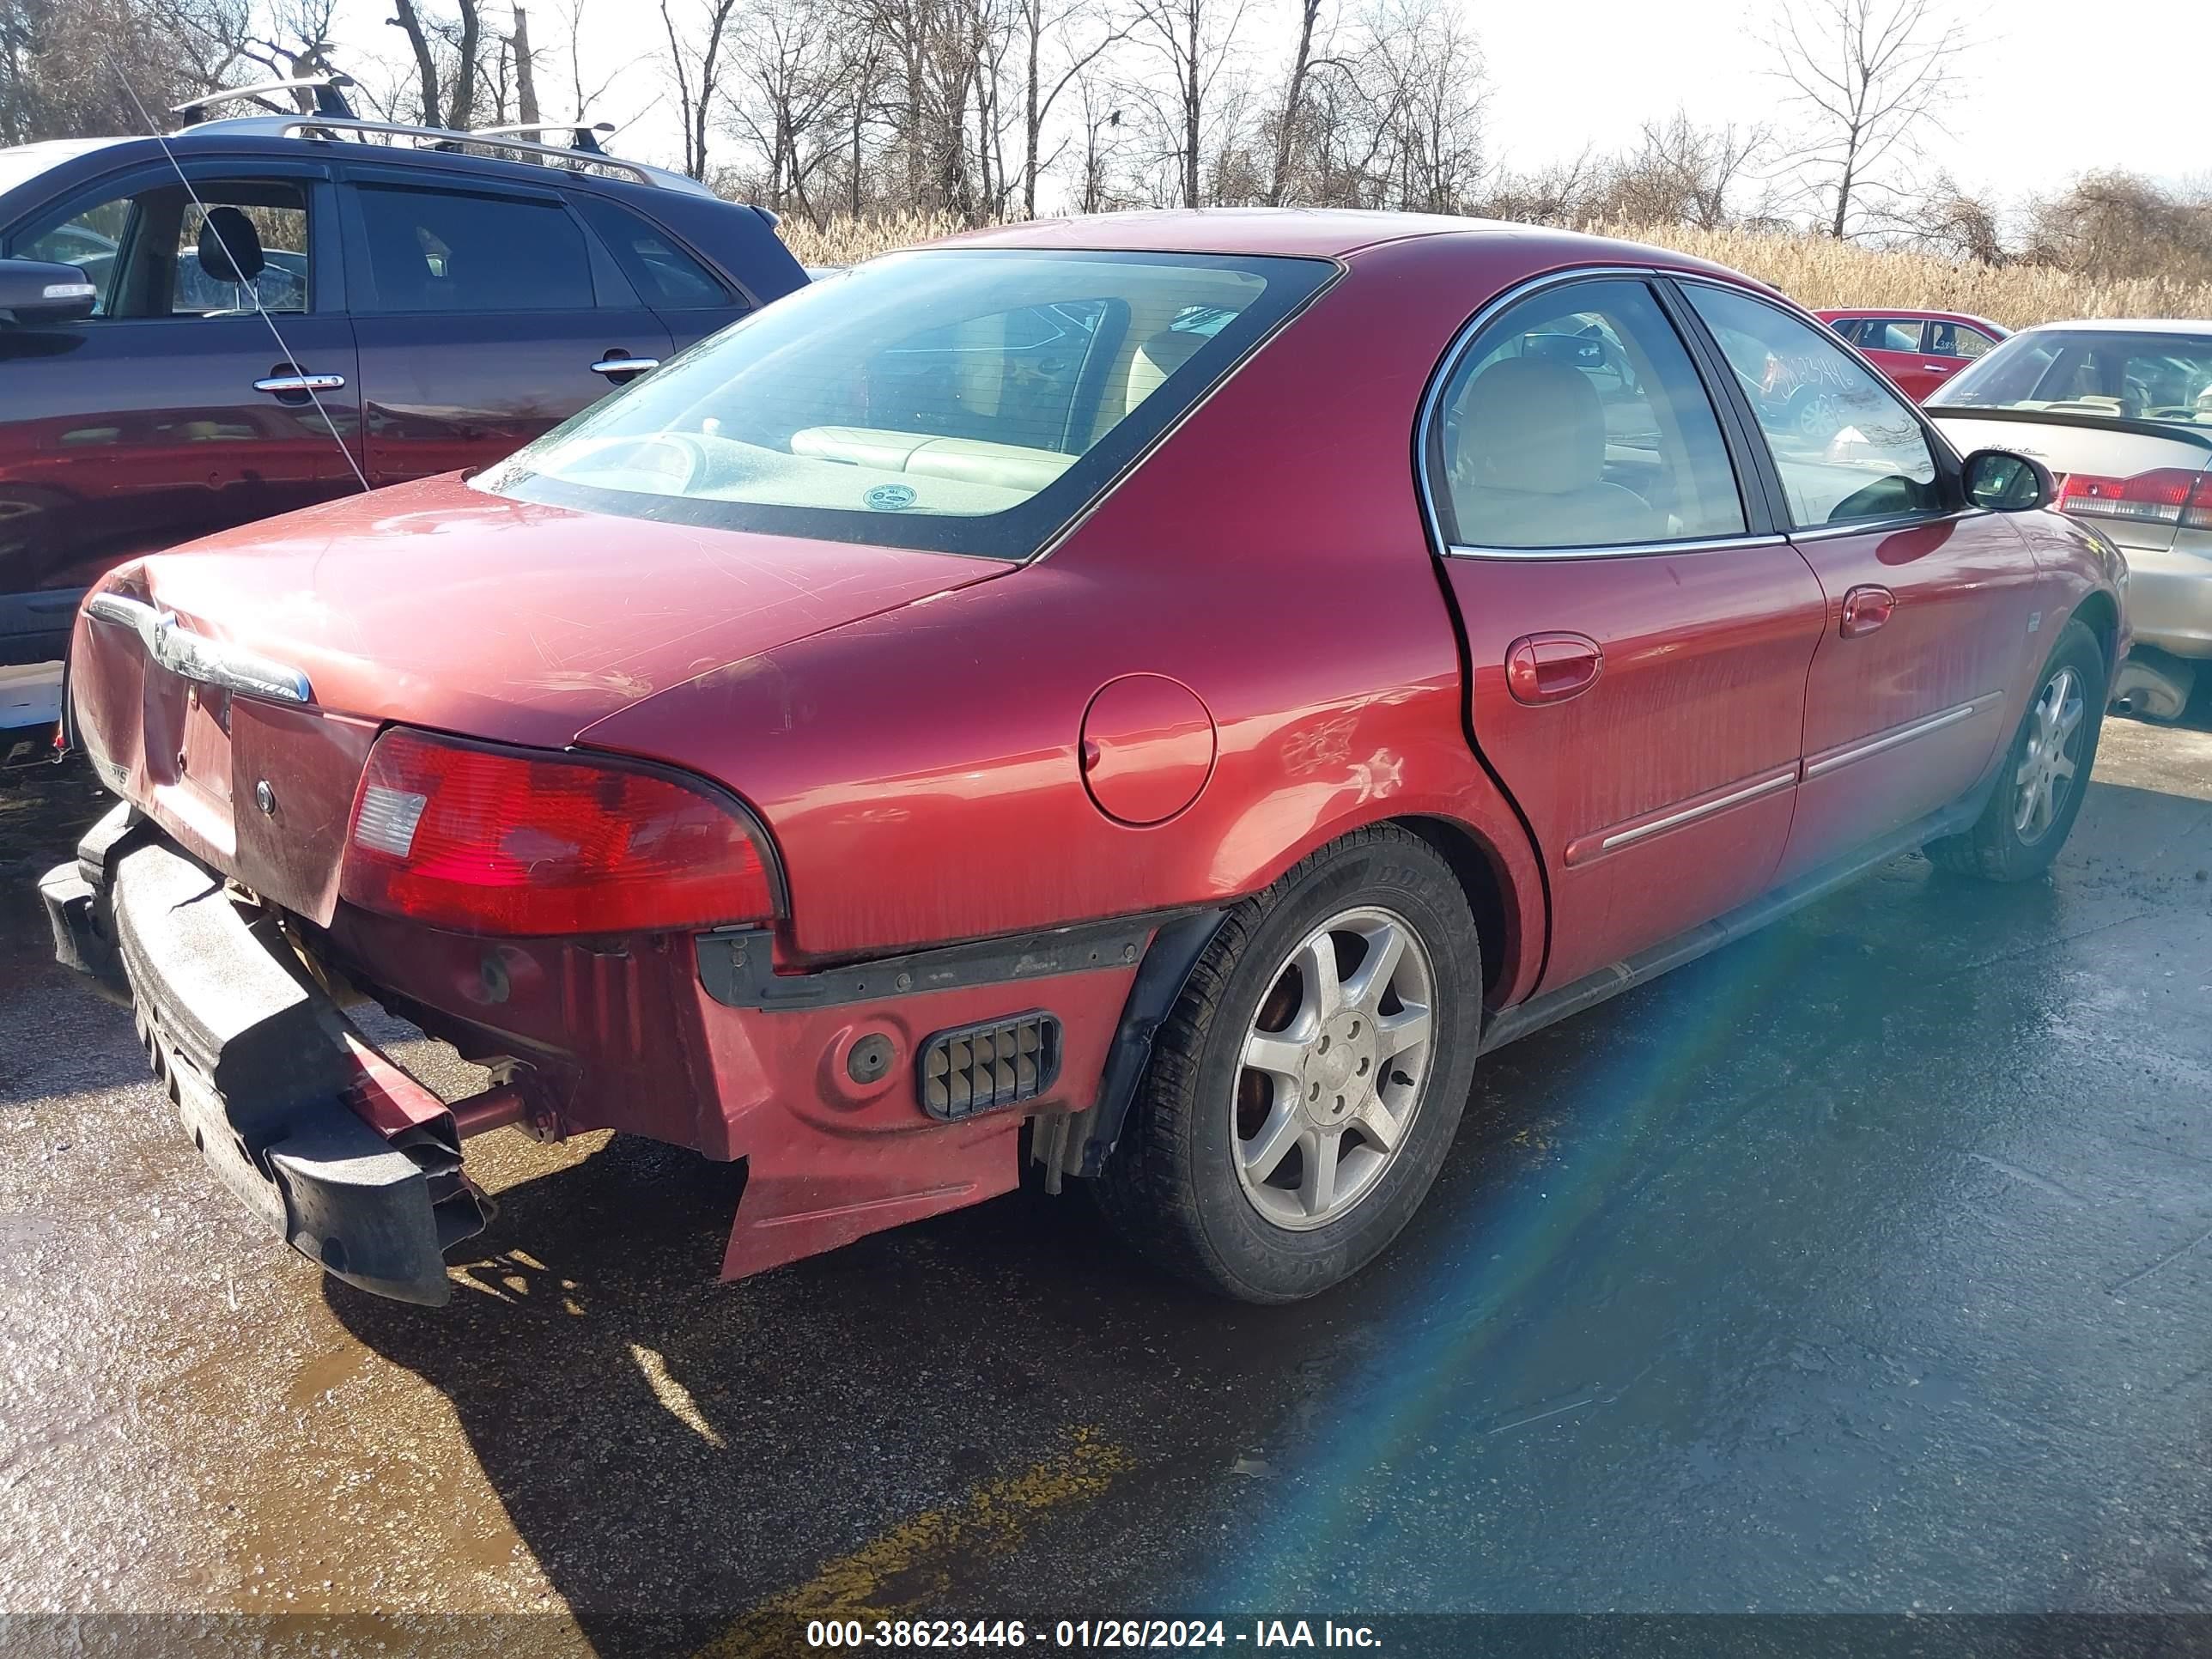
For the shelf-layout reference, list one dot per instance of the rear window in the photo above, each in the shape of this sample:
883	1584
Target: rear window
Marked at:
964	400
2094	371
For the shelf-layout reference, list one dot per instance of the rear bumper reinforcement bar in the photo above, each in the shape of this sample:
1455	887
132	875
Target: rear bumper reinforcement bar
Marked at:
326	1142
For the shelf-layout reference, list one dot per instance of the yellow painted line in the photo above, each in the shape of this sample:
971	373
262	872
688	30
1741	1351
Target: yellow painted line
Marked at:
909	1568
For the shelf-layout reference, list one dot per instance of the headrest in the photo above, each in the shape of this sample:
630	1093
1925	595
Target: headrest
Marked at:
230	247
1533	425
1159	356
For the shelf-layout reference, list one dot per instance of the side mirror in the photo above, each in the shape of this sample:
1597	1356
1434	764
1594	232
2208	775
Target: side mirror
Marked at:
2003	481
34	292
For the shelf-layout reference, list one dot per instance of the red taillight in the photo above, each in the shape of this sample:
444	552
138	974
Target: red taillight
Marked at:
491	840
2169	494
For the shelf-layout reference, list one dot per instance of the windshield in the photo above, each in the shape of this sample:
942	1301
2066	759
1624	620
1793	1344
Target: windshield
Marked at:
2114	372
965	400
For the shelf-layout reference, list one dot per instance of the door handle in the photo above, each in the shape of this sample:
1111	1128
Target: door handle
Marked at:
280	384
1939	369
619	362
1866	608
1542	668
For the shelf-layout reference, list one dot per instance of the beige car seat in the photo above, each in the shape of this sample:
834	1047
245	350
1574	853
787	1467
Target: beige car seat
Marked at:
1529	466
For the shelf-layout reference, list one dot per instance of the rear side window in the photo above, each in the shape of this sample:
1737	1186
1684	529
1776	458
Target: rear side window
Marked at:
667	277
435	251
1577	419
1847	447
1957	340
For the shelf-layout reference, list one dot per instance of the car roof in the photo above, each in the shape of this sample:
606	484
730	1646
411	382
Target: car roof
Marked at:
2128	325
1836	312
1317	233
264	136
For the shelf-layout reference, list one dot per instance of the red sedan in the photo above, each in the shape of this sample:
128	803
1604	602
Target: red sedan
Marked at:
1156	696
1918	349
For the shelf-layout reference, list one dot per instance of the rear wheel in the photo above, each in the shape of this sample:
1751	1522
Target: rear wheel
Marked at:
1303	1092
2046	771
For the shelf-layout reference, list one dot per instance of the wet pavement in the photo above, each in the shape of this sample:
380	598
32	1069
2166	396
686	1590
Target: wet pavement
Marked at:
1866	1265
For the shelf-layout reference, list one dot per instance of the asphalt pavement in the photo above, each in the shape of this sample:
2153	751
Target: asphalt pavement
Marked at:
1864	1267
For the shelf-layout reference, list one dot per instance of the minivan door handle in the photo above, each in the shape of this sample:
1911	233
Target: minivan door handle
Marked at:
1866	608
298	384
1542	668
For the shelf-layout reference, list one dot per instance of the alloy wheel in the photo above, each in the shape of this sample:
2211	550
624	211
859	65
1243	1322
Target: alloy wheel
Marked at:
2046	773
1333	1067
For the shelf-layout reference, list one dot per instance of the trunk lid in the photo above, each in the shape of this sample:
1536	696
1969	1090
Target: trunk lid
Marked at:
2068	443
435	606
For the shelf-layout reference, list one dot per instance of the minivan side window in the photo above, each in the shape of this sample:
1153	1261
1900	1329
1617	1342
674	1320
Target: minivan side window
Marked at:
214	251
1846	446
1577	420
440	251
664	276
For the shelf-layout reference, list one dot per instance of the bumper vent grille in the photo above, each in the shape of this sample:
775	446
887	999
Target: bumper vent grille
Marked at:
980	1068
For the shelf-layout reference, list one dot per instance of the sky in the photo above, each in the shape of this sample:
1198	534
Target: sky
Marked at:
2053	89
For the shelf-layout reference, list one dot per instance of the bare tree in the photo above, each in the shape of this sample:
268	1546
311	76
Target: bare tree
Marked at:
1287	120
1196	42
790	105
697	32
1102	134
1037	21
1865	76
1683	173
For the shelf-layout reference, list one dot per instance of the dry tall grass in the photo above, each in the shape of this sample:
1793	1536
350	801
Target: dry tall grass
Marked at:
1814	271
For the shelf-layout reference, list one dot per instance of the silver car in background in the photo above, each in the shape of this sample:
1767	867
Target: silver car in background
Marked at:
2121	412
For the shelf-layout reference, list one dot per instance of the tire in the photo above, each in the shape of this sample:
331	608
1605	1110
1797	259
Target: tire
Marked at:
2012	841
1184	1187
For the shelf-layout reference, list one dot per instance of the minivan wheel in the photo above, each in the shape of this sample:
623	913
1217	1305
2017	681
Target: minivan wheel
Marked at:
2045	773
1303	1092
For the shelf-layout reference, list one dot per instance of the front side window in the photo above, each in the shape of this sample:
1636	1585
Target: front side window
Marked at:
2118	373
439	251
1578	420
968	400
1847	447
1887	334
213	250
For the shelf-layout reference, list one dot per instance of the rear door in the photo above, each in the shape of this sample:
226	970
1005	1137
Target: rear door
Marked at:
1932	607
1947	348
1892	345
485	313
166	415
1639	632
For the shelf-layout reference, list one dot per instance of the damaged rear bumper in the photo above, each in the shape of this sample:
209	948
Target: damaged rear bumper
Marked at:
327	1143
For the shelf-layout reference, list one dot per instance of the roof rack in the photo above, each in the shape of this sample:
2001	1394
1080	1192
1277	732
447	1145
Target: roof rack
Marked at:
587	133
329	100
442	139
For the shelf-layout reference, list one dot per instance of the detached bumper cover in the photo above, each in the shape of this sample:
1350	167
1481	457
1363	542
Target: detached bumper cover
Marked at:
328	1144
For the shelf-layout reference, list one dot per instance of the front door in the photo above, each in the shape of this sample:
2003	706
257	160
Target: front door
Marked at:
485	316
165	415
1638	635
1932	612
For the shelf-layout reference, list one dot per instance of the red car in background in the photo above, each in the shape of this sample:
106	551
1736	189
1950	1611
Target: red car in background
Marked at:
1917	349
1017	702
